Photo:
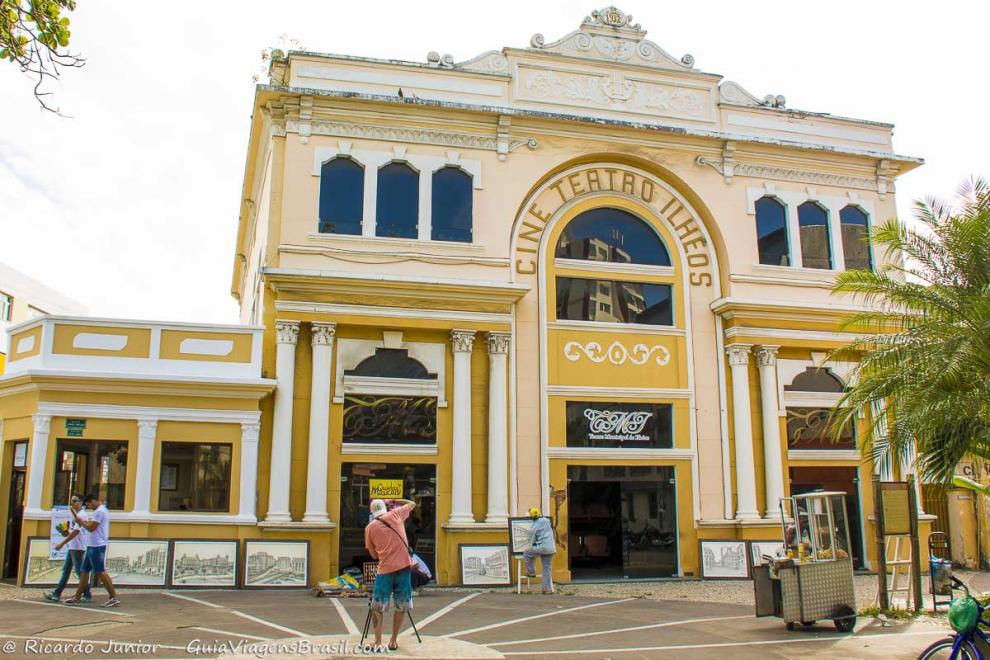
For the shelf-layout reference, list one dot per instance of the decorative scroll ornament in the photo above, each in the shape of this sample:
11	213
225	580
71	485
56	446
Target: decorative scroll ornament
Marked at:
607	422
617	353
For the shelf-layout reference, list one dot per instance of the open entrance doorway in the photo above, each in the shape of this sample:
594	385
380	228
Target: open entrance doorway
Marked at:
622	521
15	512
417	483
835	478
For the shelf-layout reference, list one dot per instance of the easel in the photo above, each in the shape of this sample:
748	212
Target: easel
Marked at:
896	515
370	573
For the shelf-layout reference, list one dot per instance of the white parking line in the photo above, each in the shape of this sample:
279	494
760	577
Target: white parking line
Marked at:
765	642
269	623
439	613
193	600
73	608
217	631
349	624
618	630
536	616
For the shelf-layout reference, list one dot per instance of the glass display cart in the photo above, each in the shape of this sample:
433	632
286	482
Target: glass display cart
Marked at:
813	579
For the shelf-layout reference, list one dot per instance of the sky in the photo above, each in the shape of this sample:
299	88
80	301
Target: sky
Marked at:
130	205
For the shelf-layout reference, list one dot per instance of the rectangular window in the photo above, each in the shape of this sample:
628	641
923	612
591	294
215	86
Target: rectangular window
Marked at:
808	428
6	306
194	477
410	420
629	302
85	466
622	425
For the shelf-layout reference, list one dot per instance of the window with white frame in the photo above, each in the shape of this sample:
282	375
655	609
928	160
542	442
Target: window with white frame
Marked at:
397	206
771	232
855	238
809	426
6	306
816	246
341	196
453	192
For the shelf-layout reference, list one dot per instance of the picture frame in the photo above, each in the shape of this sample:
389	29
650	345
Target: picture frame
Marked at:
169	477
759	548
38	569
723	559
204	564
275	564
519	530
138	562
484	564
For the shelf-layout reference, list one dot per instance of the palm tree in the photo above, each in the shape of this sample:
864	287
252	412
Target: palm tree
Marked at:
924	349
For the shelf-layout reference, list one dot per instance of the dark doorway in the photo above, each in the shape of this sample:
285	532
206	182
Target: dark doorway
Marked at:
15	515
840	479
622	522
419	484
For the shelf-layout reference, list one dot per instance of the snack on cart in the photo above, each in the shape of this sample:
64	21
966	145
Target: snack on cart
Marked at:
815	579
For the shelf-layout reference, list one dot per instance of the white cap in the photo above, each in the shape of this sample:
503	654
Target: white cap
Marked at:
378	508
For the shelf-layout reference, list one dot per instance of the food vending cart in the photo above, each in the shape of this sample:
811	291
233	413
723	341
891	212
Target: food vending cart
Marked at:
813	580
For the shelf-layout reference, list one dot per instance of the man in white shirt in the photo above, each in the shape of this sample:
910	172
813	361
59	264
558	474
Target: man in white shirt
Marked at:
97	528
76	540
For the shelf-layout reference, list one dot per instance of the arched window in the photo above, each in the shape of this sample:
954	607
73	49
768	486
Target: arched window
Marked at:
452	205
391	363
397	211
608	234
771	232
816	248
856	238
341	196
816	392
813	379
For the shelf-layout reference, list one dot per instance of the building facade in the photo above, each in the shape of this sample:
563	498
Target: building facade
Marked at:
585	276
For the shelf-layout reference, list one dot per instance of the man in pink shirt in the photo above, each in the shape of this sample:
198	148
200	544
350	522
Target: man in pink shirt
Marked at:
385	539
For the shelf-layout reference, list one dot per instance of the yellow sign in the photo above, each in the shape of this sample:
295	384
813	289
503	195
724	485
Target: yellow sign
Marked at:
385	489
896	509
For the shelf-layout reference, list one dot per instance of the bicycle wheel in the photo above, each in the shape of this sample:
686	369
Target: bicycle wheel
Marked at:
942	650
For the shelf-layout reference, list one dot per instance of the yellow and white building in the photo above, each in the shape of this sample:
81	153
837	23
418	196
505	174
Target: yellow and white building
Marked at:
584	275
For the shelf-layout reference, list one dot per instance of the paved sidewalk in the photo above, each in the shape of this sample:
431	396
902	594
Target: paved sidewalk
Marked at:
202	623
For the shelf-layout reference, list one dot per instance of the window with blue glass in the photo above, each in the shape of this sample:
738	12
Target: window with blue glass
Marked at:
341	196
816	247
607	234
771	232
612	301
452	205
856	238
397	210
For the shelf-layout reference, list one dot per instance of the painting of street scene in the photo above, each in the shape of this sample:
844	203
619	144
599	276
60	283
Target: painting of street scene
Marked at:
136	562
204	564
724	559
276	563
485	564
41	570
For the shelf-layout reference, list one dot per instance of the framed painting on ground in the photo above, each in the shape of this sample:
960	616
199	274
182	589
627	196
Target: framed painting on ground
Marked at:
39	569
138	562
276	563
203	563
484	565
758	549
723	559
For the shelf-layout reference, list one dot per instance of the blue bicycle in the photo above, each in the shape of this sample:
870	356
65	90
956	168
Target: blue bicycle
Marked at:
968	643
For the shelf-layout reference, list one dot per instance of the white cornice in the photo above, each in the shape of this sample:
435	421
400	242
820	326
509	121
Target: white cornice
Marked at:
387	448
136	383
618	392
178	518
334	309
105	411
585	453
825	455
778	333
612	328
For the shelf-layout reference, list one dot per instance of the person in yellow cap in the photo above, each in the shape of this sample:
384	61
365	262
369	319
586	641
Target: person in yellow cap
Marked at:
541	542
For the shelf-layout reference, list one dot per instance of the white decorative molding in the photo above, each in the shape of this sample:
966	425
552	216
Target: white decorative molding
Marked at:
217	347
728	169
351	352
492	61
99	342
391	386
498	342
287	332
462	341
323	334
619	454
801	335
387	448
619	393
766	356
25	344
415	135
734	93
616	353
147	413
825	455
738	354
390	312
177	518
620	328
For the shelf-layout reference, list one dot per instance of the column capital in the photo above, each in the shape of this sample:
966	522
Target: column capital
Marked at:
766	356
42	423
323	334
250	431
147	425
738	354
498	342
286	332
462	341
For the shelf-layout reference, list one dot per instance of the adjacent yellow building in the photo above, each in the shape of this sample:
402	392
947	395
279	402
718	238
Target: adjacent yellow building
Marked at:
584	275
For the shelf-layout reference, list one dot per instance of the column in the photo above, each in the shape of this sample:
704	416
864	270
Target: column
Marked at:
249	470
319	425
147	431
742	424
287	333
461	341
37	461
498	353
773	464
